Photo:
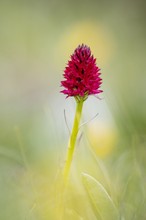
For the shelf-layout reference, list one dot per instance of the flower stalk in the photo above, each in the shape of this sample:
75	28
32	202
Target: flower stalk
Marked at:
73	138
81	79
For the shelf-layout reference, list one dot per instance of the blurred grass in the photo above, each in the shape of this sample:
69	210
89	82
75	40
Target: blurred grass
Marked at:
36	40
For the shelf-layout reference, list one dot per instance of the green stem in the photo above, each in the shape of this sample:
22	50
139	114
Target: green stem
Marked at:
72	140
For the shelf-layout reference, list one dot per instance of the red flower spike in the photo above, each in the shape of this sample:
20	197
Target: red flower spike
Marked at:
82	76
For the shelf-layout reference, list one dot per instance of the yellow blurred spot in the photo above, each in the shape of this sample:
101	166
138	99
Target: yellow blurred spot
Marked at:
87	32
102	137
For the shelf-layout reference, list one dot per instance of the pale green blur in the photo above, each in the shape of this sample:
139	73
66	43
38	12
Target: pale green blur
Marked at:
36	40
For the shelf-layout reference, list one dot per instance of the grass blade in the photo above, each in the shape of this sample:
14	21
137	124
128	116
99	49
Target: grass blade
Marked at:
100	199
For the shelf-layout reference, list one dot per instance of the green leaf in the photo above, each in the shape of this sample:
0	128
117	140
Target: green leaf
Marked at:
100	199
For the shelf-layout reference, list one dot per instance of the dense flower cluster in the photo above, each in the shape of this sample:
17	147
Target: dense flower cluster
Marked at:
82	76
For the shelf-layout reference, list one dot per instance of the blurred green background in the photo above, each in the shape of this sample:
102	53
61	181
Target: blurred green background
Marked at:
36	40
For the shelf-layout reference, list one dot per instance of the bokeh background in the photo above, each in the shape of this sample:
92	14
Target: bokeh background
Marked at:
36	41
